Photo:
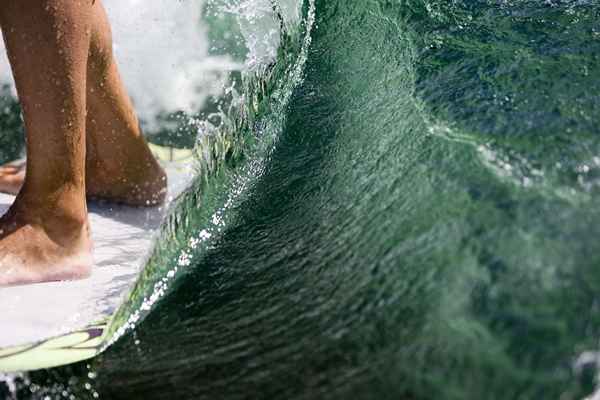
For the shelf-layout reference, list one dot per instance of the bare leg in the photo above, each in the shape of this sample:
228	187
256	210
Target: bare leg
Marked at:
44	236
119	165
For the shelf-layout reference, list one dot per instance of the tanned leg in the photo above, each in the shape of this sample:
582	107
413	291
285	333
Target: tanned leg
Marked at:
119	164
44	235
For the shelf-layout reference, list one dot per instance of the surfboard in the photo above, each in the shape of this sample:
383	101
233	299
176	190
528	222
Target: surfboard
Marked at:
57	323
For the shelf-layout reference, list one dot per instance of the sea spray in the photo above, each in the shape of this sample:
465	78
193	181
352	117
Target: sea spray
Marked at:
162	51
229	155
382	253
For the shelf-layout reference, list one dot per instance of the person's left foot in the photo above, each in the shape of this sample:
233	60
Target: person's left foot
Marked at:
44	241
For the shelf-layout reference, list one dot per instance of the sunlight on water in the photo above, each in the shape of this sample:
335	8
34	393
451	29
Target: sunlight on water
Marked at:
402	204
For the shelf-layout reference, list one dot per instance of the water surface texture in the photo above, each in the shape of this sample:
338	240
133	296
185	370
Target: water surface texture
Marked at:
395	199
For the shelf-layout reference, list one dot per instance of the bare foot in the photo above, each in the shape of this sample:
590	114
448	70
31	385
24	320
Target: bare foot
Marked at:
42	243
141	182
12	176
136	181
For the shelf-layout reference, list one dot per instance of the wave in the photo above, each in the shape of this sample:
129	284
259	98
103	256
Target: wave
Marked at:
361	225
230	157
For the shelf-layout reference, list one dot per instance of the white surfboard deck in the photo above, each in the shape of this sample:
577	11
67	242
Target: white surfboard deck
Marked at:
123	238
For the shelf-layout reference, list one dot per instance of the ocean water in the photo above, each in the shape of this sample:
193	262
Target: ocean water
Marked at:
394	199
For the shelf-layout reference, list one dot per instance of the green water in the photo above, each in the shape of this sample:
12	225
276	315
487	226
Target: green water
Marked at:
418	220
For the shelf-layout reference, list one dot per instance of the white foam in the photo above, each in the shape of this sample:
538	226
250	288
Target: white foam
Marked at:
161	47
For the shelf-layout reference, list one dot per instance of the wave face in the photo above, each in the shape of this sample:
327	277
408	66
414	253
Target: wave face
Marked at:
404	204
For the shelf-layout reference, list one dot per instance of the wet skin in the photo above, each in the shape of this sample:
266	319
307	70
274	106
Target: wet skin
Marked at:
83	139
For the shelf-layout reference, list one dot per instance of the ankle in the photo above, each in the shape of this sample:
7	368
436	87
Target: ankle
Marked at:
65	208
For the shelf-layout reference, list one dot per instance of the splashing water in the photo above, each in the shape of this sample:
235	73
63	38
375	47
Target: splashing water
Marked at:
162	51
402	204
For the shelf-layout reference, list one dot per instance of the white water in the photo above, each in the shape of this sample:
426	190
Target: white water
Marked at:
162	51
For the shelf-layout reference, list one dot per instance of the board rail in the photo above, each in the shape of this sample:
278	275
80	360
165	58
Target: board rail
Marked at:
79	345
